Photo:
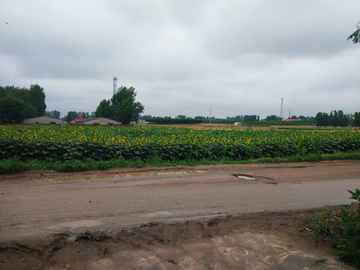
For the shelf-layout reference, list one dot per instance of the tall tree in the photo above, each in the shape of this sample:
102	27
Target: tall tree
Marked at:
144	117
12	110
319	119
356	121
30	111
249	118
272	117
104	109
121	107
24	95
56	114
53	114
74	115
37	99
68	118
125	108
334	118
323	119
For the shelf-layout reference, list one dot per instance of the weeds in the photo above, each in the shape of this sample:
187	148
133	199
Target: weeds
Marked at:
15	165
322	222
349	241
345	233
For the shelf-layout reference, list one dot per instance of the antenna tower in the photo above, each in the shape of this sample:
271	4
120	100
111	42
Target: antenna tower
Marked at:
289	113
114	85
210	116
282	99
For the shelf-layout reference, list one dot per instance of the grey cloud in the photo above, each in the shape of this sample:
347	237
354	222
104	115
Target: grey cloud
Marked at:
183	57
288	29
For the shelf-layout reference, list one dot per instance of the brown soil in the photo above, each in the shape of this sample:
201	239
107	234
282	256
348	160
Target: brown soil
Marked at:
168	242
72	251
288	171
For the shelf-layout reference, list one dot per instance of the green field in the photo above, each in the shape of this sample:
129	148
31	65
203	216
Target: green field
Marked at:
52	143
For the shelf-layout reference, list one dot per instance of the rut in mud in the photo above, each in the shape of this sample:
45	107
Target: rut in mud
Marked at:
161	244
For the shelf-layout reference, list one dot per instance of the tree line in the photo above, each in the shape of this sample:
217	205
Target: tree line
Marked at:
17	104
244	119
337	119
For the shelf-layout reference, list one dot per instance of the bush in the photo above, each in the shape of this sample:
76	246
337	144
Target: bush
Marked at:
12	165
345	233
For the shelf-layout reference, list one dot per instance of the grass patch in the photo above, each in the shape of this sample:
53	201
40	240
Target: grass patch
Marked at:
14	165
343	230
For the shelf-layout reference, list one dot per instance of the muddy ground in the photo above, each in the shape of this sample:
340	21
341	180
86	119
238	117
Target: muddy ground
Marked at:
262	240
89	249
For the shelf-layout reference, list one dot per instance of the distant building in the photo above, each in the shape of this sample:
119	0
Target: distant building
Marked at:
101	121
289	119
140	122
43	120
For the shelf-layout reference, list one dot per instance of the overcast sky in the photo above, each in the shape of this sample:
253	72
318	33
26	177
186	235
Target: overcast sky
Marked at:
186	56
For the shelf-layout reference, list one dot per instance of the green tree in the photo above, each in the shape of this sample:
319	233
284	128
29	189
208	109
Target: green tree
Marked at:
74	115
23	94
104	109
322	119
272	117
30	111
56	114
68	118
334	118
37	99
34	98
124	106
356	35
121	107
144	117
251	118
53	114
356	121
12	110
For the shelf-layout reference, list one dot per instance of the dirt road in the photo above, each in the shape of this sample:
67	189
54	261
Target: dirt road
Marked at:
36	205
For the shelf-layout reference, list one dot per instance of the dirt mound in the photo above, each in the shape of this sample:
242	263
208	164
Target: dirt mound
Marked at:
264	240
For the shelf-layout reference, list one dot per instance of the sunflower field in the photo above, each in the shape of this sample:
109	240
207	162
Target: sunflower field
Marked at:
53	143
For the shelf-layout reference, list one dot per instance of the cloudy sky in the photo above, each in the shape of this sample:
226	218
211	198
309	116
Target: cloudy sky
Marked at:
186	56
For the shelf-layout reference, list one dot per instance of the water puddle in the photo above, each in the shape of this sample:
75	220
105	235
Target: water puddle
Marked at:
245	177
